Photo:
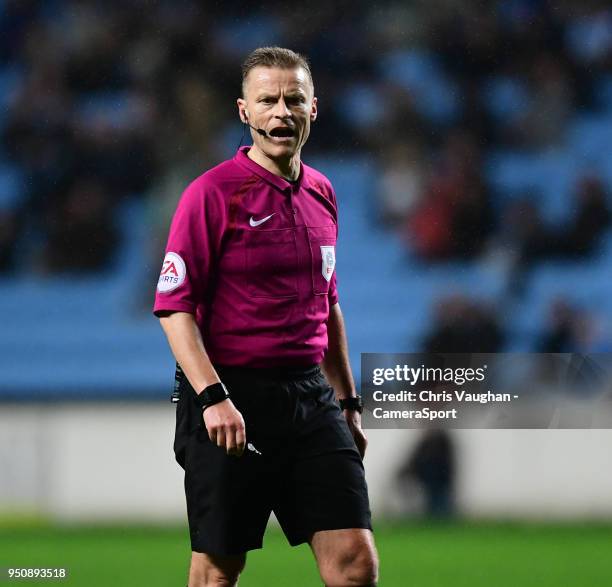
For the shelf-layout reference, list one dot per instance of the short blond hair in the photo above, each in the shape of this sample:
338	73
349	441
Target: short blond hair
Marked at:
274	57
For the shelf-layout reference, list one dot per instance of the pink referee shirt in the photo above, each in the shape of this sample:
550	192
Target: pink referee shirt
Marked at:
253	257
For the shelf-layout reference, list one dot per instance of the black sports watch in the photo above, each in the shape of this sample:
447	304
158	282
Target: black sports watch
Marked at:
211	395
352	403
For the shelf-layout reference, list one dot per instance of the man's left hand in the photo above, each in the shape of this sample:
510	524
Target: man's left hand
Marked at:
353	419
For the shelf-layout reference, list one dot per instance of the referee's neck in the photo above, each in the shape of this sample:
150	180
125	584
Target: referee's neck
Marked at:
287	168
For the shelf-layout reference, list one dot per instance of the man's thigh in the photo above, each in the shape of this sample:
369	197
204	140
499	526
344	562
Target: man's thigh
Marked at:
324	486
229	498
326	492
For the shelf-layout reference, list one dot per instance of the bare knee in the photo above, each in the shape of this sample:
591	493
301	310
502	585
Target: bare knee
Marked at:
356	565
359	568
215	571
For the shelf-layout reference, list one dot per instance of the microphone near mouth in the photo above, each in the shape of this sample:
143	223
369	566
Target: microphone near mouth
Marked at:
259	131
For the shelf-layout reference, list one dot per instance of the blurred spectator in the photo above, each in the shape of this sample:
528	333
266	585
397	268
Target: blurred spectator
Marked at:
560	336
462	325
402	179
454	218
530	239
9	231
11	216
593	333
549	110
81	231
525	232
591	219
573	330
472	220
432	465
589	33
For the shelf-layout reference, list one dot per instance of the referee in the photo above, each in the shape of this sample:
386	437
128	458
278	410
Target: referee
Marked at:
248	301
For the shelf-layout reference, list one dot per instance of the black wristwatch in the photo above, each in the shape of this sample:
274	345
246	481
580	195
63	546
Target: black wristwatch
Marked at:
211	395
352	403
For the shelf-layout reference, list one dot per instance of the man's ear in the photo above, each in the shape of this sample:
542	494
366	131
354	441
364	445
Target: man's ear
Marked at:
242	112
313	110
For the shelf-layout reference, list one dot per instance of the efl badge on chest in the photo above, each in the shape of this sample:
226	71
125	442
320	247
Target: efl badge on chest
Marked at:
328	253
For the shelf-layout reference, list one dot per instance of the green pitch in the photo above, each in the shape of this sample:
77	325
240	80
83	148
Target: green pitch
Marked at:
416	555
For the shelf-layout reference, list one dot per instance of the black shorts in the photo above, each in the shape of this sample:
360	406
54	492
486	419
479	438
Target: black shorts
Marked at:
301	462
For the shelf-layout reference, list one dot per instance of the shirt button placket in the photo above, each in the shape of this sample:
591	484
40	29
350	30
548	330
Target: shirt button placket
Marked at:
290	206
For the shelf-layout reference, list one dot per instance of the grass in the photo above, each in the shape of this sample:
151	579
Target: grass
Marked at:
420	555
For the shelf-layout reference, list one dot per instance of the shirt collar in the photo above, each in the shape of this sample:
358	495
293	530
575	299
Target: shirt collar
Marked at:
281	183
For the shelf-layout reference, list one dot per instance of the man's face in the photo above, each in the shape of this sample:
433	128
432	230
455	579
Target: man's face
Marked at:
281	102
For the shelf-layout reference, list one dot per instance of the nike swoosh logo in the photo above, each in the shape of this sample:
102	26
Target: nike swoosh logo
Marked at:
255	223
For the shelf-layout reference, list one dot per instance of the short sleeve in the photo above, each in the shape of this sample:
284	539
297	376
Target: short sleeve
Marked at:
332	296
193	244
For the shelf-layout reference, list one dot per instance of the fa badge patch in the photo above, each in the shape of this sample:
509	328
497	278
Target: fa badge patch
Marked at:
172	274
328	253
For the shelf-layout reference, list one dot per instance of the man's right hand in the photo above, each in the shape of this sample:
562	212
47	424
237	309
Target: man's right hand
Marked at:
225	427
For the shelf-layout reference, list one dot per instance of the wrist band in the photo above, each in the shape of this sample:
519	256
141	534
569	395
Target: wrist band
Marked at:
211	395
352	403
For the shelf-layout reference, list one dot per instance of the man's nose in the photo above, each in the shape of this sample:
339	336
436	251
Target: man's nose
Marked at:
281	110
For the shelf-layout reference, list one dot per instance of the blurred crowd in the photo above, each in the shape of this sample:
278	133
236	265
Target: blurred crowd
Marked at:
103	102
512	75
465	325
